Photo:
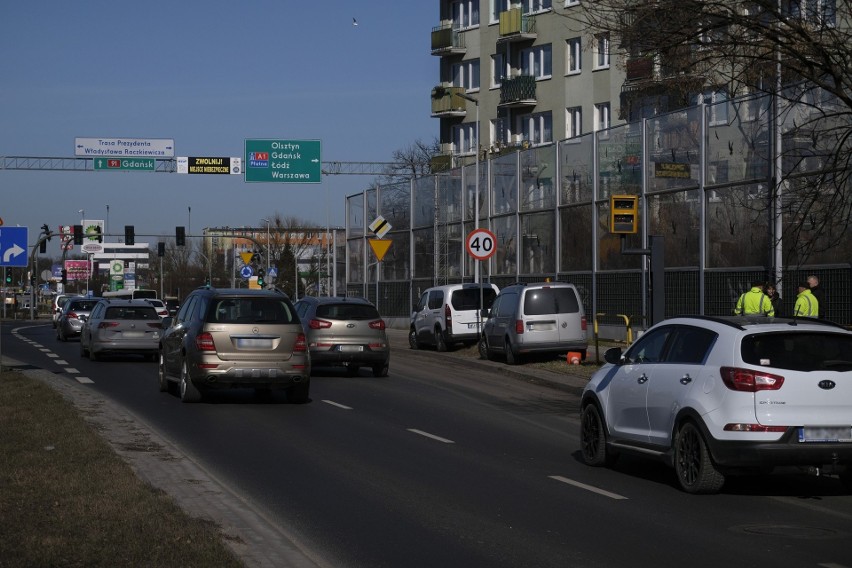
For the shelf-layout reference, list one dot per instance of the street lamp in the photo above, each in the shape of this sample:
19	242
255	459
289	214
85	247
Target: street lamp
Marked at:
267	247
475	101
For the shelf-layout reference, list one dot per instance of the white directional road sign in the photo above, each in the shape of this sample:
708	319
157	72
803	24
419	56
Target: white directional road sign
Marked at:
481	244
13	246
125	147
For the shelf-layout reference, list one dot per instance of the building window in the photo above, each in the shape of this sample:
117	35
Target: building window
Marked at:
818	12
464	138
499	69
497	6
466	75
602	51
537	62
531	6
536	128
717	103
573	122
574	56
602	116
499	132
466	14
572	3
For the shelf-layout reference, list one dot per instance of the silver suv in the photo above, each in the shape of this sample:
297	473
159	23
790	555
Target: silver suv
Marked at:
716	396
231	338
446	315
542	317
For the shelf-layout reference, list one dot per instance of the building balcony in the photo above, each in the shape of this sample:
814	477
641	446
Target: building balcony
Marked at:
447	41
518	92
516	26
446	102
441	163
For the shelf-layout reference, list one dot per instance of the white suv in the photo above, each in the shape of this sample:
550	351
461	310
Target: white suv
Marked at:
716	396
446	315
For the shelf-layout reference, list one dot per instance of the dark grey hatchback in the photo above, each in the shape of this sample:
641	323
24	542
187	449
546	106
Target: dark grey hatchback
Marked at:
345	332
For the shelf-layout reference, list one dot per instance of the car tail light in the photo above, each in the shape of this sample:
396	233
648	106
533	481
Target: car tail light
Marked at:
378	324
448	316
319	324
72	315
300	346
749	380
519	327
583	323
738	427
106	324
204	342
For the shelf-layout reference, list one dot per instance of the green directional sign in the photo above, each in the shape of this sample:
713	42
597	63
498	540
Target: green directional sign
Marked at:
283	161
125	164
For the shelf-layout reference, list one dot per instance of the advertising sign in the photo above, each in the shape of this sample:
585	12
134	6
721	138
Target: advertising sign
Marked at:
77	269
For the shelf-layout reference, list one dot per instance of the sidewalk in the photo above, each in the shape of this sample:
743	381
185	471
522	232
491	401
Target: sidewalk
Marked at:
567	382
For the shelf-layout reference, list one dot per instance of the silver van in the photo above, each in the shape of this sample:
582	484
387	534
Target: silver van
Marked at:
542	317
446	315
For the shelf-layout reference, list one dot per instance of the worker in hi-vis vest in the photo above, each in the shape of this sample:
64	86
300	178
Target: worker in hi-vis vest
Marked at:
754	302
806	303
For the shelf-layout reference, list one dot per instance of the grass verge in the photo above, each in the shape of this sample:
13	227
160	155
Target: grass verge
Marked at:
66	499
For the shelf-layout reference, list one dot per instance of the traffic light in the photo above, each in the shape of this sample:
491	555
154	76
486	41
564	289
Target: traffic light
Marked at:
180	236
78	234
161	249
64	277
99	234
260	277
129	235
42	246
8	278
623	214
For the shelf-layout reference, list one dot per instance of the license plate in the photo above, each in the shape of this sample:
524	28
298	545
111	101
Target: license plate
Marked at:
472	326
253	343
133	334
825	434
350	348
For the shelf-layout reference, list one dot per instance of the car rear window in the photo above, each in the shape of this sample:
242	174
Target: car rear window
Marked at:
550	301
347	312
250	310
468	298
131	313
87	305
799	351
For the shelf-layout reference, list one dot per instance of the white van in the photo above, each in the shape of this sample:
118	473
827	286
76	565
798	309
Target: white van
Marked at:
446	315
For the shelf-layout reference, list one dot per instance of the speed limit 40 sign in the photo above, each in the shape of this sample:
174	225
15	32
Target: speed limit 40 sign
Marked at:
481	244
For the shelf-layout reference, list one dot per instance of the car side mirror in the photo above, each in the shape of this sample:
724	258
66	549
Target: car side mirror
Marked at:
613	355
485	313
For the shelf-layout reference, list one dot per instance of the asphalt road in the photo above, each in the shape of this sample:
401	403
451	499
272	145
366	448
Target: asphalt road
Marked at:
452	462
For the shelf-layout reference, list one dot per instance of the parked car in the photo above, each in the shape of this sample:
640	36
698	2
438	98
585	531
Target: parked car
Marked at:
75	312
59	301
160	306
542	317
230	338
121	327
451	314
717	396
345	332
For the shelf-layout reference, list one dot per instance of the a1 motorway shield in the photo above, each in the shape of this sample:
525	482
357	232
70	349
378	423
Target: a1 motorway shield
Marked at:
13	246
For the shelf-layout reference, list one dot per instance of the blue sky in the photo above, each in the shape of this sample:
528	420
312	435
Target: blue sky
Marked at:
208	74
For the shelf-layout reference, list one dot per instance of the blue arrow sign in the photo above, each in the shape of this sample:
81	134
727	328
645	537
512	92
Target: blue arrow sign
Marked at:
13	246
246	271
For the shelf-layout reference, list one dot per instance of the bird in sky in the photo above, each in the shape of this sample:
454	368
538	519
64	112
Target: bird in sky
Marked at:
354	22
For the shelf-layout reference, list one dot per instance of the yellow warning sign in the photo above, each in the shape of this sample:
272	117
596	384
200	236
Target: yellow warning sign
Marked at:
380	247
246	256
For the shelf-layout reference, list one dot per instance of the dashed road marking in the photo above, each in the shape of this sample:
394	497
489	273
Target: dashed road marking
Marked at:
338	405
432	436
587	487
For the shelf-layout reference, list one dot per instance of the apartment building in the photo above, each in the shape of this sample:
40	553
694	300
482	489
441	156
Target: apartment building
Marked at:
529	71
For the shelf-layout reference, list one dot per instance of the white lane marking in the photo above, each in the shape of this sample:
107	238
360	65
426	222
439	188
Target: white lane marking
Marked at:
52	355
44	350
428	435
71	370
587	487
85	380
343	406
60	361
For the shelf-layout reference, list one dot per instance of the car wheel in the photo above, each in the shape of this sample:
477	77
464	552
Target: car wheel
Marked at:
188	391
512	358
412	339
298	393
440	342
352	370
483	349
693	463
381	370
593	438
92	355
161	374
83	351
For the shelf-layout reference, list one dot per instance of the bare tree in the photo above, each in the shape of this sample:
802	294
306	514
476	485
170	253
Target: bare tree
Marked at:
412	161
798	52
